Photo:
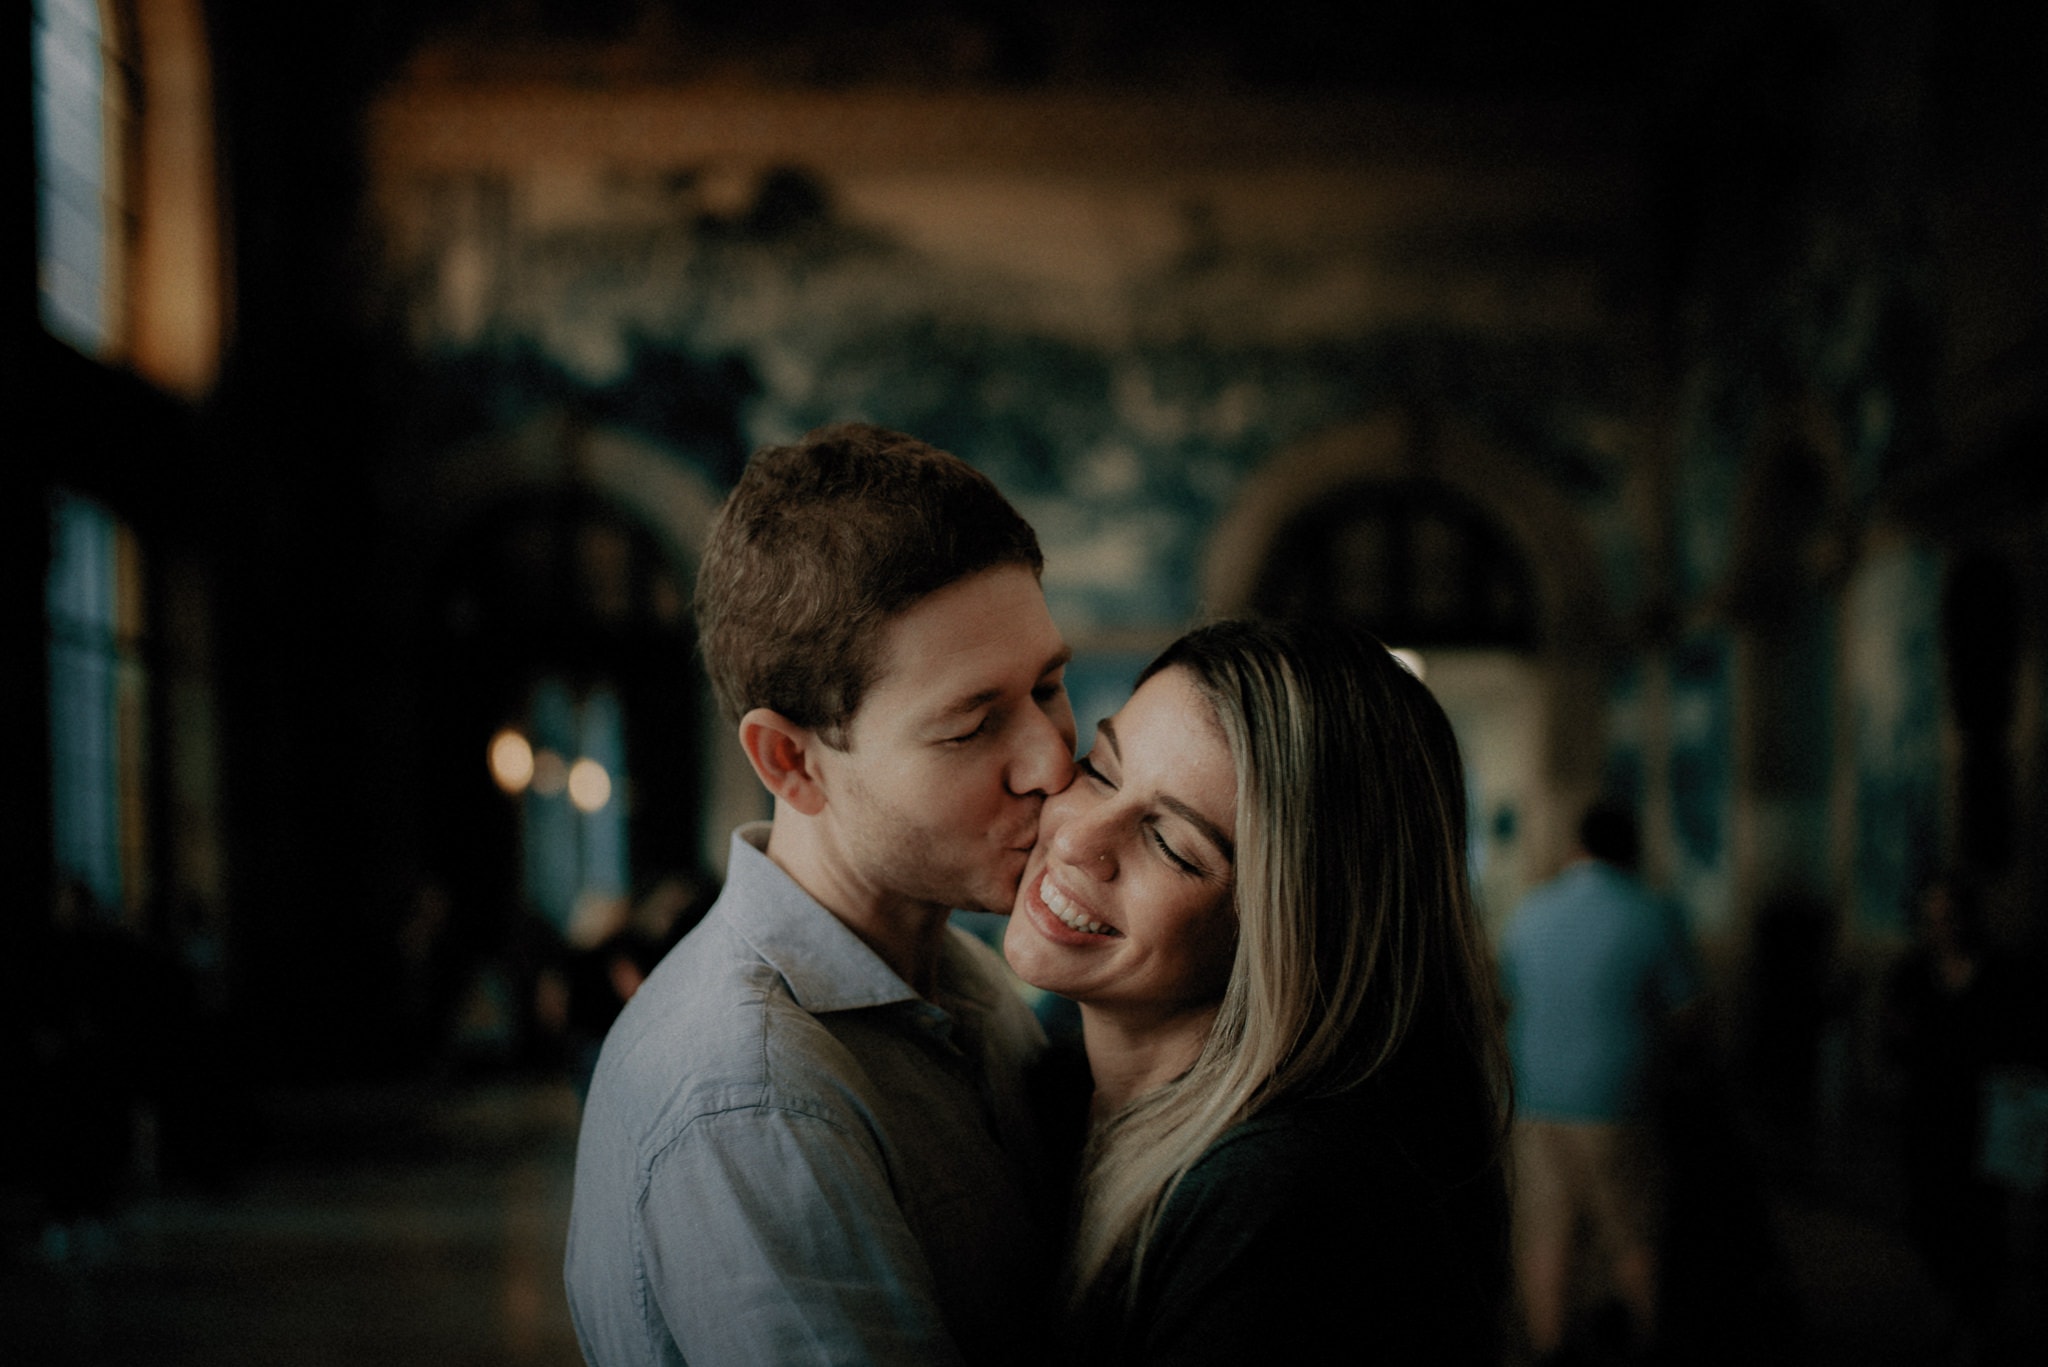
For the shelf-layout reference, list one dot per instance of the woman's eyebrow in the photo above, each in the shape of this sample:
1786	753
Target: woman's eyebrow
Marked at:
1202	824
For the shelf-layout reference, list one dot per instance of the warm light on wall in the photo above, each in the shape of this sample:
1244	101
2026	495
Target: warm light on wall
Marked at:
550	774
590	787
511	760
1410	661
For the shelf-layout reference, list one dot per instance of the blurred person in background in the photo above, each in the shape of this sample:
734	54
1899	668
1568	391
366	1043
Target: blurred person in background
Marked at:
1594	968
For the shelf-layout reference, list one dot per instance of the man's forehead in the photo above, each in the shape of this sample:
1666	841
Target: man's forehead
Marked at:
962	682
965	646
973	699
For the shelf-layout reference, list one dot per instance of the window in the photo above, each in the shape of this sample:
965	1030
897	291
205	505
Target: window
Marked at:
98	706
82	126
130	267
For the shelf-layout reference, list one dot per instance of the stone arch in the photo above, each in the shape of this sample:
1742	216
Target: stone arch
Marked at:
1572	596
674	503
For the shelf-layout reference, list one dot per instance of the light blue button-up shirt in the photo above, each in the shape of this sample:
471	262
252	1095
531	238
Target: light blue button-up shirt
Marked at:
1591	964
788	1156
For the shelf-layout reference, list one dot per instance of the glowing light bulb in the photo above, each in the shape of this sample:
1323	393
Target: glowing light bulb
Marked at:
590	787
511	760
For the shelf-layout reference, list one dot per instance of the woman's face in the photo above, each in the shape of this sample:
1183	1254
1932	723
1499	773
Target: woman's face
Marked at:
1126	900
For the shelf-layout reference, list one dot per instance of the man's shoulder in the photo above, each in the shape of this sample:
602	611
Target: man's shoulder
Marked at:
972	963
982	982
714	1028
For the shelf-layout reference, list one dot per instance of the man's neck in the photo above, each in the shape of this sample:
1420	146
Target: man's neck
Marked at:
907	935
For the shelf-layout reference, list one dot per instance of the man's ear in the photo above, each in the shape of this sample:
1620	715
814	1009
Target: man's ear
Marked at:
784	756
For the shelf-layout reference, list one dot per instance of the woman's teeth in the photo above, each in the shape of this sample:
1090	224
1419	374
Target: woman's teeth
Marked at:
1056	902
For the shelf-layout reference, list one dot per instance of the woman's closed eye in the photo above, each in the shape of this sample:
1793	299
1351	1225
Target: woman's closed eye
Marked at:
1186	866
1086	764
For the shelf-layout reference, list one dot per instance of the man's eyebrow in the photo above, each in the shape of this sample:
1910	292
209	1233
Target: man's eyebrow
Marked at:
1174	804
974	702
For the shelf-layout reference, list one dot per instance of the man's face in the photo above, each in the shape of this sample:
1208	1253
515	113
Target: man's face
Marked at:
964	732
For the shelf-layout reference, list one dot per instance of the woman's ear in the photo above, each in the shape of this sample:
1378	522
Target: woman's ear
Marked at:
784	757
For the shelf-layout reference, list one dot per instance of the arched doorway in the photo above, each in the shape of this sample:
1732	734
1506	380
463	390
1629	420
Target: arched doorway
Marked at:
1426	569
654	488
546	575
561	705
1440	546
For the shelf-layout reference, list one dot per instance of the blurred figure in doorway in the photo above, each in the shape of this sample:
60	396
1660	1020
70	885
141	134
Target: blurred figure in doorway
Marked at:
1593	967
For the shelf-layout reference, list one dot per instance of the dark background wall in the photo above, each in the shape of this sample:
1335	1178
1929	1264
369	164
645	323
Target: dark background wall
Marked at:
1726	319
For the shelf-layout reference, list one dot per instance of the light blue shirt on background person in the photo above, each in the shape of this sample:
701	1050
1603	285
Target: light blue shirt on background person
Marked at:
1592	965
788	1156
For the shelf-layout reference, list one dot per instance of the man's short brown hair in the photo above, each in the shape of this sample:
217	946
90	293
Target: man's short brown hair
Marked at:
822	543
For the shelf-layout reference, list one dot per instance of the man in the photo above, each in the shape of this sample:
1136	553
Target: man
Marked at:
806	1138
1593	967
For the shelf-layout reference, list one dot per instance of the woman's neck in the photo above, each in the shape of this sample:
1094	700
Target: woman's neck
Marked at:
1131	1056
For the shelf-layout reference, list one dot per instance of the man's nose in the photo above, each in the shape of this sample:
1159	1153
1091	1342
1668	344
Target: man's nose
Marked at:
1043	762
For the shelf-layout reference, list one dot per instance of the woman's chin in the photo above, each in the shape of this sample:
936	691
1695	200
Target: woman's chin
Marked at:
1026	956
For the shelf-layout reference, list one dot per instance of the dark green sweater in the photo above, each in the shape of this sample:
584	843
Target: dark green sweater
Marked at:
1317	1232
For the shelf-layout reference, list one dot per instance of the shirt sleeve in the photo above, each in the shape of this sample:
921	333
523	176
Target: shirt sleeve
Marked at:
773	1236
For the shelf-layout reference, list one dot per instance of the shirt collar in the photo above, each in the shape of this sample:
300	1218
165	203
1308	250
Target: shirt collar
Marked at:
827	966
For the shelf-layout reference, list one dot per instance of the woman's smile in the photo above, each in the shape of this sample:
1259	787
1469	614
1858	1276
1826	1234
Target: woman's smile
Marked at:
1067	911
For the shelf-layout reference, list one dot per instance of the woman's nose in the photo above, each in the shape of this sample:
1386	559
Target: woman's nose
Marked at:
1085	843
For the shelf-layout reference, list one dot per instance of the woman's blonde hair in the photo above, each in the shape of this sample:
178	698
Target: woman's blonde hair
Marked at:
1359	958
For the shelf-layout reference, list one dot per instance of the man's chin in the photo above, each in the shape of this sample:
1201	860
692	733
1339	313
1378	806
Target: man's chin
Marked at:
998	894
997	899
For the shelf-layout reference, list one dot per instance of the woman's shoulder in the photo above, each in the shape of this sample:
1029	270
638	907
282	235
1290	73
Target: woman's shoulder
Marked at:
1279	1141
1310	1229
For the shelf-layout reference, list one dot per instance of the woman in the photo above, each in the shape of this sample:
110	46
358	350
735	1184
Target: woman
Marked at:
1255	890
